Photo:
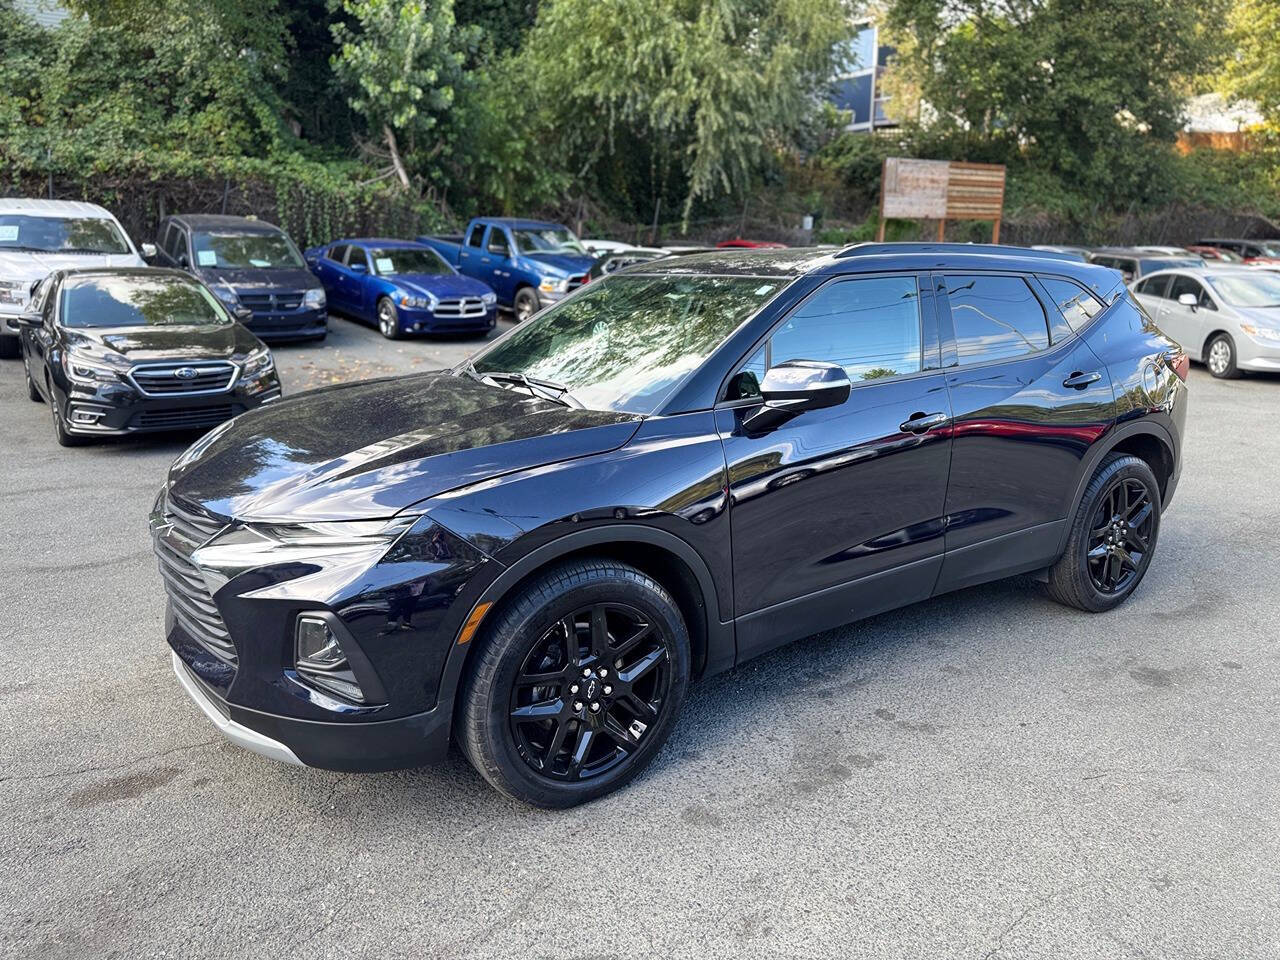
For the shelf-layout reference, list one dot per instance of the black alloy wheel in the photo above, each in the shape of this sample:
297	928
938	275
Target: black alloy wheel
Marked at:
588	691
575	684
1112	537
1120	536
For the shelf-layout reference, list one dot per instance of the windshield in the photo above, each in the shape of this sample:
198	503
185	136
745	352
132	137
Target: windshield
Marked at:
138	300
60	235
1270	249
387	263
1247	290
228	249
547	240
625	341
1149	266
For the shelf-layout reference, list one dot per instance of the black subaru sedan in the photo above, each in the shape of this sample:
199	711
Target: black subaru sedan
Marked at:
139	350
682	465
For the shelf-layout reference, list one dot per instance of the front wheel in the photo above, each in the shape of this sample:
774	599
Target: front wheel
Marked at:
388	319
577	684
64	437
1220	358
525	304
32	392
1113	537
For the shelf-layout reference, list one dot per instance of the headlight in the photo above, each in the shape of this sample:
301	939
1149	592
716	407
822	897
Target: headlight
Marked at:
314	299
420	303
554	284
1269	334
226	295
260	361
490	299
86	369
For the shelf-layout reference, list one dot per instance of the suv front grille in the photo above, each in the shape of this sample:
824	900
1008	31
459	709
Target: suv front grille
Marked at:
190	599
271	302
460	308
575	282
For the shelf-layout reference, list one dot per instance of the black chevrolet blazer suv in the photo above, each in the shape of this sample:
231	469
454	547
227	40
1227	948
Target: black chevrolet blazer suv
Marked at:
683	465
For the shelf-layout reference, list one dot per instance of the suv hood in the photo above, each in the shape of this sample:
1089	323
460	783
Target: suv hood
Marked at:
125	346
252	278
370	449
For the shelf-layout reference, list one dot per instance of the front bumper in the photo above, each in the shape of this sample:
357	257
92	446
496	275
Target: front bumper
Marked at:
218	712
118	409
416	320
289	325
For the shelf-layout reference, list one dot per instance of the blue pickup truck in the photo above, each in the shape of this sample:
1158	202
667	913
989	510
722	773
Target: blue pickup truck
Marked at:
528	263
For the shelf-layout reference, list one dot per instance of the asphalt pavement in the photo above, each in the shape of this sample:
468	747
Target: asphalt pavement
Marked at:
985	775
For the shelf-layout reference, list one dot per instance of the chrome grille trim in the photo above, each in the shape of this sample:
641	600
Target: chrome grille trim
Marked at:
460	308
271	302
162	380
189	598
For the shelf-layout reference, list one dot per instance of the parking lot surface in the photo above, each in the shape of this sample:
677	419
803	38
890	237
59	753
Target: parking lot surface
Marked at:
984	775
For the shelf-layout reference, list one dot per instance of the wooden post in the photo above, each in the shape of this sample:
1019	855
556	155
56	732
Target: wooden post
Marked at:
942	230
995	230
880	231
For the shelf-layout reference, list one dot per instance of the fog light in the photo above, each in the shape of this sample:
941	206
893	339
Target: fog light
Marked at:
85	416
321	660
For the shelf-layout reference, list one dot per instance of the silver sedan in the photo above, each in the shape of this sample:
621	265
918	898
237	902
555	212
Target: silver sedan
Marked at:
1227	319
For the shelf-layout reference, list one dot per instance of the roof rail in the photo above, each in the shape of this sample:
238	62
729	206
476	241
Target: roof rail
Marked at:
987	249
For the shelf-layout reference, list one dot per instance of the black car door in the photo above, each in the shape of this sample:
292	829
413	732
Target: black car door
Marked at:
1028	399
837	514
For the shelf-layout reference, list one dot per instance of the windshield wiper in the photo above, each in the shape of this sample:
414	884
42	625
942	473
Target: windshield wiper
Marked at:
546	389
104	253
4	247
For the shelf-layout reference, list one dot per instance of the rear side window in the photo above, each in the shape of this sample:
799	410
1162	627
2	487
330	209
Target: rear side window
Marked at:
1073	301
995	318
338	253
476	235
870	326
1155	286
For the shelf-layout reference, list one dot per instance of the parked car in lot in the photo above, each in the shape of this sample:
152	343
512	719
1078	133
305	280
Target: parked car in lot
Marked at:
1250	251
682	466
1079	254
738	243
528	263
600	248
1215	256
1227	319
626	257
252	264
1134	262
40	236
401	287
1165	251
137	350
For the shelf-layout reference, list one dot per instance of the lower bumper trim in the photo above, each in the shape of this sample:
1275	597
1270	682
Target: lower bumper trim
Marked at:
237	733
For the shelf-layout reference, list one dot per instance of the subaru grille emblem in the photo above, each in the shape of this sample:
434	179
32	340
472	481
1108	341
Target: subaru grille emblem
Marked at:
186	373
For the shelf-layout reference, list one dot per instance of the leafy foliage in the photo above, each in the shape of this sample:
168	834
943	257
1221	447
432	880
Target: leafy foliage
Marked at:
1254	69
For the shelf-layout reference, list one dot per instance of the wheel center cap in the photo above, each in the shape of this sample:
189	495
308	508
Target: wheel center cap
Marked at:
591	687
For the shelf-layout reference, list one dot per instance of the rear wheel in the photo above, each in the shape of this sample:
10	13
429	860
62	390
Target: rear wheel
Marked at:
1220	357
1113	537
577	684
525	304
388	319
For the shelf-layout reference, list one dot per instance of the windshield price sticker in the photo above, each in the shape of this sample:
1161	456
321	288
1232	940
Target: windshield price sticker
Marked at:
8	231
384	264
207	258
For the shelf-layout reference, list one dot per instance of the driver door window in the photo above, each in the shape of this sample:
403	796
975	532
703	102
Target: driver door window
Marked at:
1184	284
498	245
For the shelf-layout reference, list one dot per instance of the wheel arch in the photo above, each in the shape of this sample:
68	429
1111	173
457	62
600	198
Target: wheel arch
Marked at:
1213	335
662	555
1146	440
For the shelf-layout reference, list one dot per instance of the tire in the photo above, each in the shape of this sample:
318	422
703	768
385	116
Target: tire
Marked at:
565	753
1220	357
32	392
388	319
9	347
1103	564
60	432
525	304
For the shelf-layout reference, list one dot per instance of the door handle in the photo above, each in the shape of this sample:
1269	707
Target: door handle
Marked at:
923	422
1080	380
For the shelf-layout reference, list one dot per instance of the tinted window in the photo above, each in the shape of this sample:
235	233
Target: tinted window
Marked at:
138	300
476	236
1155	286
1184	284
230	248
60	234
1074	302
338	253
415	260
174	244
357	255
995	318
498	242
746	382
870	327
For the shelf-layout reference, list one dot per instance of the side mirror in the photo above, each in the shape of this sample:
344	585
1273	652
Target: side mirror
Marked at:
148	251
243	313
794	387
1189	300
30	320
358	267
183	262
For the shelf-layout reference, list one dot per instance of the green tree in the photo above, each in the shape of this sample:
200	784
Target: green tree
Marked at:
401	62
1089	89
1253	70
705	92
